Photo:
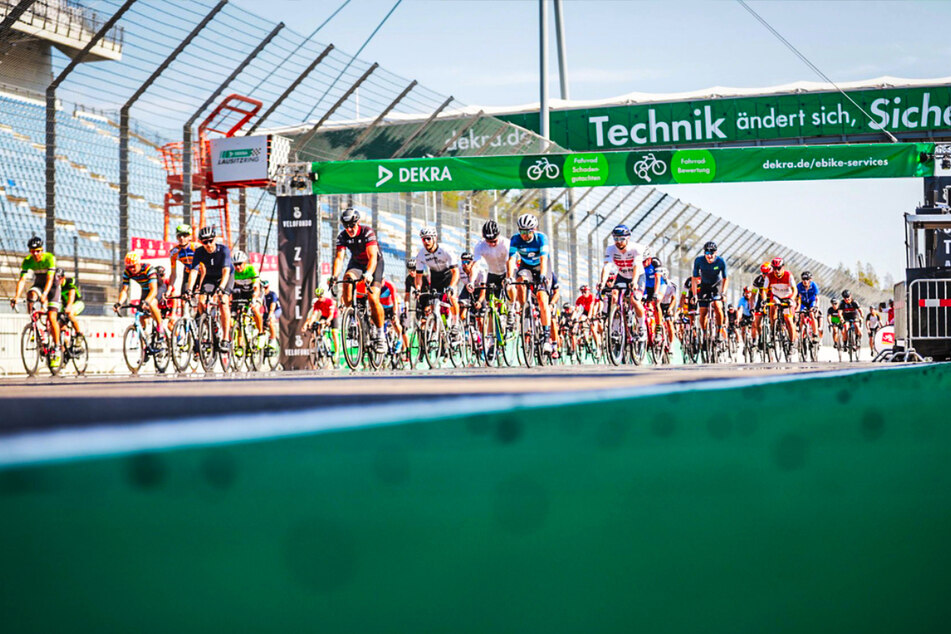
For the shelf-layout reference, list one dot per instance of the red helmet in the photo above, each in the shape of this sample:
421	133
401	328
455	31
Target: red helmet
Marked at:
746	289
777	263
764	268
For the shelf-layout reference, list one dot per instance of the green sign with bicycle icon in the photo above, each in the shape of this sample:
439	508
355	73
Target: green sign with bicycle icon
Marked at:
657	167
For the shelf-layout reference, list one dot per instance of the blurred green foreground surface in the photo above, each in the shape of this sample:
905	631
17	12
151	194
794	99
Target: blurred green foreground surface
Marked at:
813	505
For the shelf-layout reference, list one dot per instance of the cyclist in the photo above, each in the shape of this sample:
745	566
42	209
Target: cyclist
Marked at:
782	292
271	311
745	309
44	289
732	318
410	283
835	322
468	280
528	249
390	300
184	253
213	271
366	262
759	292
891	312
625	256
247	287
144	275
324	311
493	254
850	312
654	283
709	284
164	304
587	310
73	305
667	306
807	296
873	321
443	272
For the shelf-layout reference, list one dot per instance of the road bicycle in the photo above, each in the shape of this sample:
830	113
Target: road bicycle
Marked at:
142	343
323	350
658	347
622	340
356	330
853	340
438	340
36	340
499	339
246	341
184	339
211	348
73	344
781	344
808	344
531	333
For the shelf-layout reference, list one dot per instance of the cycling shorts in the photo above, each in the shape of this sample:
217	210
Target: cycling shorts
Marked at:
208	287
440	281
494	284
53	298
245	295
707	294
665	310
534	274
357	269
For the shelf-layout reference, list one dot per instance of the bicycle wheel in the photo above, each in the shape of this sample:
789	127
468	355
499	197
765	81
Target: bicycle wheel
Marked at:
207	352
351	333
272	355
182	345
255	349
30	349
413	350
430	341
375	358
161	355
79	351
637	345
526	337
615	336
132	349
239	347
489	338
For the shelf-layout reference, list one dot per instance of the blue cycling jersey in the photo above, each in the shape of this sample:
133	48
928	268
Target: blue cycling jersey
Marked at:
744	305
808	294
530	251
649	272
271	303
709	272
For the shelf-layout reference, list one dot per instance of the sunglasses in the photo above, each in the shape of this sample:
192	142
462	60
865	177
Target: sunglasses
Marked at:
349	225
36	250
208	241
428	239
709	252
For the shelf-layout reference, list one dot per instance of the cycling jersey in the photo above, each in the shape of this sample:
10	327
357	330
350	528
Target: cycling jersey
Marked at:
848	309
69	284
585	301
495	257
626	260
744	306
873	320
387	295
709	272
326	307
780	286
649	271
271	303
833	314
145	277
436	261
215	262
41	268
529	251
808	294
245	278
411	283
184	254
358	244
669	294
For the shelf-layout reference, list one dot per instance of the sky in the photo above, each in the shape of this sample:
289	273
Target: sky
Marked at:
485	52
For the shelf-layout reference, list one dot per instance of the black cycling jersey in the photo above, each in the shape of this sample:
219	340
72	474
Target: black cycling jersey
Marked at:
358	244
215	262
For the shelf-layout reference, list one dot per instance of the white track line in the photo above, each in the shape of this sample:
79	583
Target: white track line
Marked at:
91	442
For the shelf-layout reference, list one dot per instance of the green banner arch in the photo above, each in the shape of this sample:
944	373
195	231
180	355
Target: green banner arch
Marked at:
658	167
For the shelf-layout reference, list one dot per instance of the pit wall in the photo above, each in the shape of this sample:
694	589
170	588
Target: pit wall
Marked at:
804	505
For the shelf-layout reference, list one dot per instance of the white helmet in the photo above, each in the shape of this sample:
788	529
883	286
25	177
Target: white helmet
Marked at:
427	232
239	257
527	222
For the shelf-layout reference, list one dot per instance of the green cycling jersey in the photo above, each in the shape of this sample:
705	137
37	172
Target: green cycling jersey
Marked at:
69	284
245	278
41	268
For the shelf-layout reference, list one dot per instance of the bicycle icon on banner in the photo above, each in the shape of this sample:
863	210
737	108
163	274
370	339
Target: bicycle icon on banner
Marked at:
648	164
543	168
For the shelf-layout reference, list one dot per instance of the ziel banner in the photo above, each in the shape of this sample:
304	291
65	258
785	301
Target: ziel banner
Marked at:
297	261
748	119
722	165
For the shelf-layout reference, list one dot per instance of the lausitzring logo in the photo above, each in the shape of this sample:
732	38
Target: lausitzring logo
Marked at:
243	155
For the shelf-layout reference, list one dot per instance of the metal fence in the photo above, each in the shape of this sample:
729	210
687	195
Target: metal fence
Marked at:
84	148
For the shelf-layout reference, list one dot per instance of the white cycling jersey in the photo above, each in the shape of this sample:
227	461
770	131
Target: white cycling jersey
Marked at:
495	257
627	261
477	279
436	261
670	294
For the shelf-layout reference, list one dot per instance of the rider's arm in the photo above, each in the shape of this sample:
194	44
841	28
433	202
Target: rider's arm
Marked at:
50	274
543	265
173	258
455	277
225	271
20	284
373	254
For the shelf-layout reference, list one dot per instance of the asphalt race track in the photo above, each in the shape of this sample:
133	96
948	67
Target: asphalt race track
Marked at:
69	402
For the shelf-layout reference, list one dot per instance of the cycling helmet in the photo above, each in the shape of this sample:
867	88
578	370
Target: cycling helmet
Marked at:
584	288
264	283
427	232
466	256
60	272
490	230
621	231
846	294
777	263
160	271
183	230
318	293
206	233
710	246
765	268
746	289
239	257
527	222
834	301
35	243
411	263
350	217
132	260
806	276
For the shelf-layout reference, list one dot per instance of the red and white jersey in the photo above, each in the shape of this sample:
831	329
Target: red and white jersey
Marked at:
782	285
626	261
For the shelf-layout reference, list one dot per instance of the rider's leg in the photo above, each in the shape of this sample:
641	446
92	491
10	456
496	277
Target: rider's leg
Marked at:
718	310
543	312
258	316
376	308
156	315
224	303
54	325
703	317
790	327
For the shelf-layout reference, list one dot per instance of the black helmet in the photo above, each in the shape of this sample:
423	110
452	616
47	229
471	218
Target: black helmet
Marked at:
160	271
35	243
206	233
490	230
806	276
411	263
350	217
846	294
710	246
60	272
466	255
835	300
